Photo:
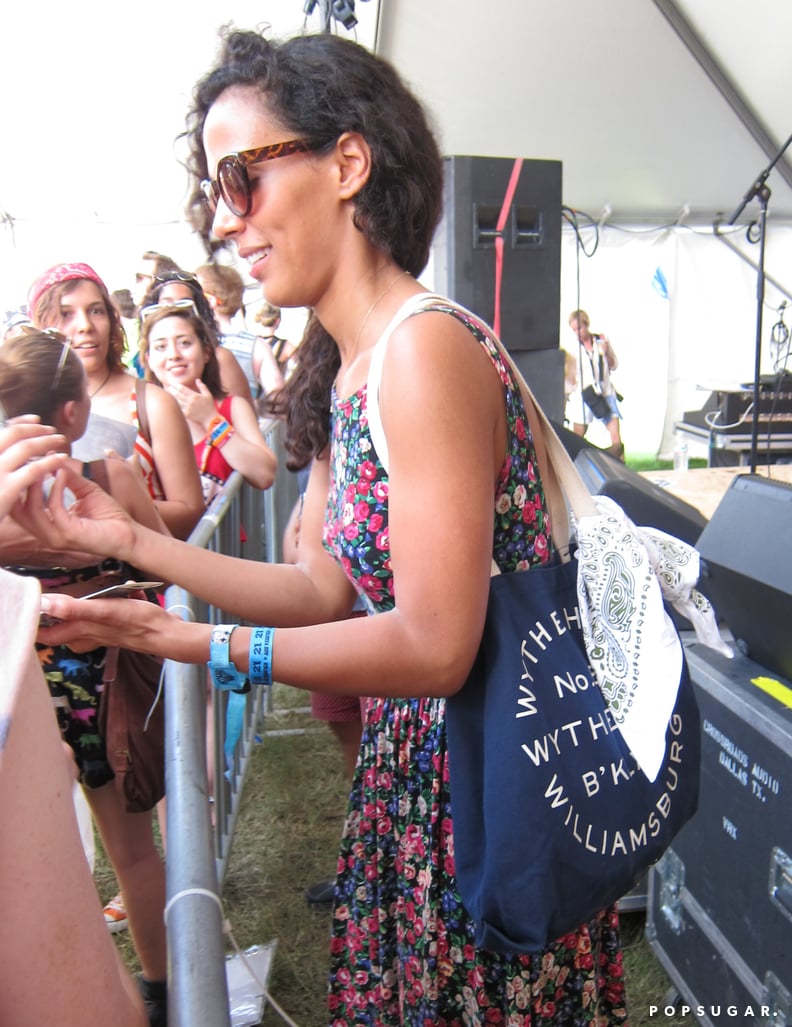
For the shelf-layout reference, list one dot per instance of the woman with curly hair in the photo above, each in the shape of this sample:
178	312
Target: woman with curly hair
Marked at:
319	166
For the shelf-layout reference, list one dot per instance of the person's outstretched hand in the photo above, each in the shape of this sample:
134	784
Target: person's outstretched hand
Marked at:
27	457
85	624
86	518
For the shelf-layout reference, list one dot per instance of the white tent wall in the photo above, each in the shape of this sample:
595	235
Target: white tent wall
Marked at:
673	352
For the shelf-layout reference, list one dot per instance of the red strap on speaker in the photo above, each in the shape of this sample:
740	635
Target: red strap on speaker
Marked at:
504	213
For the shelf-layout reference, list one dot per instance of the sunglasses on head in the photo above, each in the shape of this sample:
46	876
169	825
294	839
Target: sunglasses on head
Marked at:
174	306
54	336
174	276
233	182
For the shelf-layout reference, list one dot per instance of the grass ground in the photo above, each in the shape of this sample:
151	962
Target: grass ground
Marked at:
286	840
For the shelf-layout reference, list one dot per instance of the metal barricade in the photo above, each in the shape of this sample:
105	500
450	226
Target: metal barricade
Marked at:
242	521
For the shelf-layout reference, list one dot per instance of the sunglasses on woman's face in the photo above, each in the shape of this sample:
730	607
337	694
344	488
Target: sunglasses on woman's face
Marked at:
233	183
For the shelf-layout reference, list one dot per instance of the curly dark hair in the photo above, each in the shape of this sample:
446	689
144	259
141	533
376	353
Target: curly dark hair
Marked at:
320	86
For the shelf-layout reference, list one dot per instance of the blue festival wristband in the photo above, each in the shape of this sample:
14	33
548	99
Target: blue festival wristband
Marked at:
260	662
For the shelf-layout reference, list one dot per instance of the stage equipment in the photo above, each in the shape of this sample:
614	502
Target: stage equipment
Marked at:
746	570
719	917
644	502
761	191
464	247
730	410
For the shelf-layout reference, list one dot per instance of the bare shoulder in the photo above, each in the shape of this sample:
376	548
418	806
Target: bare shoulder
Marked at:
434	348
159	403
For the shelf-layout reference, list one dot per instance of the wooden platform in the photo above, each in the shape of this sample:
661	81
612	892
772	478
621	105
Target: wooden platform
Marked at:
704	487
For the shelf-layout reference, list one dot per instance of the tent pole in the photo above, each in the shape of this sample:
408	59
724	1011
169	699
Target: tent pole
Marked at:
710	66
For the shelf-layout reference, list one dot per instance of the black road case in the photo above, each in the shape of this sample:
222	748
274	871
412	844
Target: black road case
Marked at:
719	911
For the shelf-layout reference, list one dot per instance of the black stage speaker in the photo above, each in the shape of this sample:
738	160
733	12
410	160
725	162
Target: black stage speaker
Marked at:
543	370
464	246
645	503
573	443
746	553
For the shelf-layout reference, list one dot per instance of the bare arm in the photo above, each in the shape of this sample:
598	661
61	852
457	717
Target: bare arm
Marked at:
313	590
610	353
446	446
174	459
266	367
246	451
129	490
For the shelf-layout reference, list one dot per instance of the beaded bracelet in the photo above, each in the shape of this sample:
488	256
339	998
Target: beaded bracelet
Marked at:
260	657
220	434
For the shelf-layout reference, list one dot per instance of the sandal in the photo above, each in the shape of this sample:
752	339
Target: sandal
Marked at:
115	914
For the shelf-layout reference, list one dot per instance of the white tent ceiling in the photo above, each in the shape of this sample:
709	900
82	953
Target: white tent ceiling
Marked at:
93	98
611	89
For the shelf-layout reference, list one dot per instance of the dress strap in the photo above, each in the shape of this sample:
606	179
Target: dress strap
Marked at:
419	301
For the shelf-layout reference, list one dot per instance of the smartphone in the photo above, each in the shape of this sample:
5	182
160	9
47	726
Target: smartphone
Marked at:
122	589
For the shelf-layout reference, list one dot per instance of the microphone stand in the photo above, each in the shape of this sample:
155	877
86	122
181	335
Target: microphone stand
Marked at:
761	191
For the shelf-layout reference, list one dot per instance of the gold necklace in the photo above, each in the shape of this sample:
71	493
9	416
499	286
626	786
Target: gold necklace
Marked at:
370	310
107	379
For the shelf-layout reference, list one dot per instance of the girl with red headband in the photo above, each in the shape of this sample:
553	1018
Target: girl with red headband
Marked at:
127	417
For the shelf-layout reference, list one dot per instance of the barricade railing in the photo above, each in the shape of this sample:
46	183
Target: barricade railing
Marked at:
242	521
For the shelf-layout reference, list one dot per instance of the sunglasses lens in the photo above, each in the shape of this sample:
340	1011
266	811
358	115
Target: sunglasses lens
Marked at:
209	194
234	186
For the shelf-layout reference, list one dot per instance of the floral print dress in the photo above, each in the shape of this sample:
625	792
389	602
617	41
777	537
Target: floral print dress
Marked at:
402	946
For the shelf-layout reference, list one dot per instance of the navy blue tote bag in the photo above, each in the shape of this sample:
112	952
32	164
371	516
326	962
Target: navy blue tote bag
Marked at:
553	820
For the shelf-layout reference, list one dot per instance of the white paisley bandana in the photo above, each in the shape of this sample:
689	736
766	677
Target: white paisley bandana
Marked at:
624	574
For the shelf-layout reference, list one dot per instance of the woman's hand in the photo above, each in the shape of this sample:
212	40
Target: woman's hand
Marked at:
138	624
27	458
93	522
196	404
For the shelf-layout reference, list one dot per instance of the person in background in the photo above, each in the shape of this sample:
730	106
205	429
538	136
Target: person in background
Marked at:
594	361
151	264
225	289
41	375
12	321
125	305
181	285
269	318
139	422
318	164
178	353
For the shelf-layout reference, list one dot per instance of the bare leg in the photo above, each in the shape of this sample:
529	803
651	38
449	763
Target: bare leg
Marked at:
348	733
129	842
617	448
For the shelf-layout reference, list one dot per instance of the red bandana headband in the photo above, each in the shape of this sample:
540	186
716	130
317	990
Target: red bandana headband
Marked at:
57	274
